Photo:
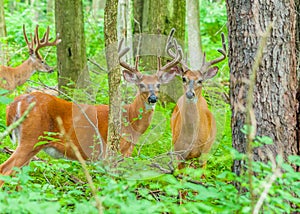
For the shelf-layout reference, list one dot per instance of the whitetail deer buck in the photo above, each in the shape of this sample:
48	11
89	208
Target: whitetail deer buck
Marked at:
11	77
80	130
193	125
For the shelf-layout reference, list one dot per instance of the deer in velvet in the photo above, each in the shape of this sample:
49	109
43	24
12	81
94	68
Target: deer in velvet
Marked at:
80	129
193	125
11	77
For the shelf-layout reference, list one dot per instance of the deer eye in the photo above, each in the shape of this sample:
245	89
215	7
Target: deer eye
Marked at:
199	82
142	86
184	79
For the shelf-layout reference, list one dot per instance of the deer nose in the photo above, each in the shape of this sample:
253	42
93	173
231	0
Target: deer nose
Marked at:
152	98
190	94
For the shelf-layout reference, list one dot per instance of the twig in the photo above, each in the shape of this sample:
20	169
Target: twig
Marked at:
250	117
268	185
10	128
179	176
97	65
83	164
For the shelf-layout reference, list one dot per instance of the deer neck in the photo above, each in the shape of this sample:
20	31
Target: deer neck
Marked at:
139	114
11	77
190	115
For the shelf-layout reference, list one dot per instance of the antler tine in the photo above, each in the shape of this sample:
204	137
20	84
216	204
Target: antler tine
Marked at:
176	57
219	59
29	44
171	43
121	53
46	36
45	40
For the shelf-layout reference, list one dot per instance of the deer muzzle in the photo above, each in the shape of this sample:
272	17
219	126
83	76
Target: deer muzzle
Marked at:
152	98
190	94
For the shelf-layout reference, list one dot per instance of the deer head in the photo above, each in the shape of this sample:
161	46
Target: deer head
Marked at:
38	63
148	85
192	80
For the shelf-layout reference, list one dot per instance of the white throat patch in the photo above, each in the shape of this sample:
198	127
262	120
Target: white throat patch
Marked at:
149	107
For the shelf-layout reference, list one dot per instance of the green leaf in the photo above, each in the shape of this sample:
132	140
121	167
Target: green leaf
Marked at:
5	100
40	143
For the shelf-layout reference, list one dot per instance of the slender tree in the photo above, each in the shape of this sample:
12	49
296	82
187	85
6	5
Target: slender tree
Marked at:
71	52
194	40
274	96
114	76
2	20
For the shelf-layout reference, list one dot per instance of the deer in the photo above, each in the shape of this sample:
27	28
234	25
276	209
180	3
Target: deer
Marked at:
192	123
11	77
81	123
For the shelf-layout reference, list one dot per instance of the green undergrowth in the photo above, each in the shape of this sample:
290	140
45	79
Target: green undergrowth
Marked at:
59	186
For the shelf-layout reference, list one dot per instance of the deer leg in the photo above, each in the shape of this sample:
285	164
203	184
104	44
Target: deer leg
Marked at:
126	148
19	158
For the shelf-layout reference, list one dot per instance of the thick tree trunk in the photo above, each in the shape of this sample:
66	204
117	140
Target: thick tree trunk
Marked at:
71	52
297	8
274	97
114	77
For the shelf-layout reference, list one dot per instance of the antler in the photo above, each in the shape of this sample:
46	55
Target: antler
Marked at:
121	53
29	44
177	57
172	43
44	42
39	43
206	65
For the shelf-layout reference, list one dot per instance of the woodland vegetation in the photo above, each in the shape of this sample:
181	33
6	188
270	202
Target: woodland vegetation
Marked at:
149	181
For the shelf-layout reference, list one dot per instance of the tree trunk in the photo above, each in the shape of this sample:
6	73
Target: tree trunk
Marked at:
2	34
274	98
71	52
114	77
96	6
195	54
159	17
50	6
297	8
2	20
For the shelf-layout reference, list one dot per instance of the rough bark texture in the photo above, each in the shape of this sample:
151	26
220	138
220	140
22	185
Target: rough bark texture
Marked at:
114	76
297	8
71	52
2	20
275	103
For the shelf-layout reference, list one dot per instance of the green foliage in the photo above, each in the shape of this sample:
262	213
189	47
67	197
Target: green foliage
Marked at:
136	186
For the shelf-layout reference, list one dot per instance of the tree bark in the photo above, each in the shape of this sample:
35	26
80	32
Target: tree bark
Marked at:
195	54
297	8
114	77
2	20
274	98
71	52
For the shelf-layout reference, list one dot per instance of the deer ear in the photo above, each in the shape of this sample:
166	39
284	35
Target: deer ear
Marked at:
177	70
211	72
130	76
166	77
